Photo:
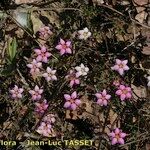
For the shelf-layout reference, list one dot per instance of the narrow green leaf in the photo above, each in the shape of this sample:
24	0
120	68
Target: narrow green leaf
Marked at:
12	48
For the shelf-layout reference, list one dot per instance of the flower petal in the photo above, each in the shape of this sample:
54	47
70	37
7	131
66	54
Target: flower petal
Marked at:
78	74
67	96
112	134
121	140
45	59
114	141
77	102
73	106
67	104
117	131
128	95
68	43
62	52
68	50
118	92
29	65
62	41
86	29
36	88
74	95
54	77
122	97
108	97
71	83
122	87
89	34
45	75
86	69
81	32
58	47
104	93
124	62
77	81
78	68
115	67
105	102
99	101
98	95
122	135
37	51
126	68
43	49
121	71
118	61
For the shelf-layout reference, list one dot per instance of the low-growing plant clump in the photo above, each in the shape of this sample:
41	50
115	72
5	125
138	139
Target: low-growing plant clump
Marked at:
75	70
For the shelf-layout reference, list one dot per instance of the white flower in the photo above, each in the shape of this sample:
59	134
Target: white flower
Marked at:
84	34
50	74
148	78
81	70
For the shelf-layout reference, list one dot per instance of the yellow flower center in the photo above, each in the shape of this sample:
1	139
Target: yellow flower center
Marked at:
121	65
117	136
85	34
64	46
71	100
124	91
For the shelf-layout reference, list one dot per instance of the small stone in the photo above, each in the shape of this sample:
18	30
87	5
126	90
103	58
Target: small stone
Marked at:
140	9
141	16
141	2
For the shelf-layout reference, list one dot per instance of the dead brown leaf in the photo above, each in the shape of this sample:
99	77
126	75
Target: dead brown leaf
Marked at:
146	50
24	1
98	2
37	23
147	146
139	91
52	16
125	2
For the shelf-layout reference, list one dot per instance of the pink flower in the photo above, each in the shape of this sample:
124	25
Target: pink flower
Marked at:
116	83
34	67
45	129
102	98
120	66
36	93
64	47
117	136
124	92
42	54
50	74
50	118
45	32
16	92
41	107
71	101
72	78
